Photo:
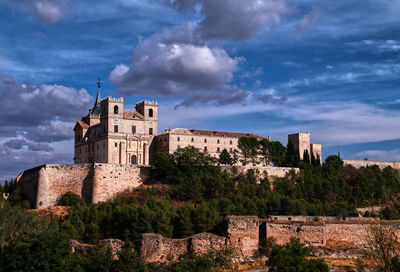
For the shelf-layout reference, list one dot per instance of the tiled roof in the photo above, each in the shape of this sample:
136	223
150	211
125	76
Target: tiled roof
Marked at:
83	124
186	131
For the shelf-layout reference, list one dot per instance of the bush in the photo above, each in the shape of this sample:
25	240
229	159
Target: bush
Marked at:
70	199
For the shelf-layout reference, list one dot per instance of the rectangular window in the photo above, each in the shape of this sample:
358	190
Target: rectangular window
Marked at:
217	149
133	129
115	128
116	145
230	150
151	131
205	149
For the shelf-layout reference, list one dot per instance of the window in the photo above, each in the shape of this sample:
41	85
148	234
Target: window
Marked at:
116	145
205	140
205	149
151	131
133	129
179	146
218	149
150	112
115	109
192	140
218	141
230	142
179	139
230	150
133	159
115	128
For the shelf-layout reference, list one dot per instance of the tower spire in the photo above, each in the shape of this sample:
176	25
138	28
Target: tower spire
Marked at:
97	103
98	97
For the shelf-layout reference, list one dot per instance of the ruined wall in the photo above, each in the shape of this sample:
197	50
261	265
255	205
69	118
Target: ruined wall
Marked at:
309	233
364	163
243	235
156	248
44	185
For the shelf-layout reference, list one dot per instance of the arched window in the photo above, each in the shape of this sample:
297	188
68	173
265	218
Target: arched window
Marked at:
133	159
192	139
205	140
115	109
230	141
179	139
150	112
218	141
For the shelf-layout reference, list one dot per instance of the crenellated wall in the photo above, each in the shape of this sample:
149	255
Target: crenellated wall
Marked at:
44	185
270	171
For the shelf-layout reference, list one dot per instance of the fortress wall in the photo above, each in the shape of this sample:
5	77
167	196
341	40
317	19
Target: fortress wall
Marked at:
364	163
156	248
271	171
111	179
43	186
243	234
59	179
28	184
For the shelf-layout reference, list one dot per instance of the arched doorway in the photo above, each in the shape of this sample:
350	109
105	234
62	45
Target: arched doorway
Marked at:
133	159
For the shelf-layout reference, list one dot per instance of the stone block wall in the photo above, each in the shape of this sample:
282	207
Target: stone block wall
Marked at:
364	163
44	185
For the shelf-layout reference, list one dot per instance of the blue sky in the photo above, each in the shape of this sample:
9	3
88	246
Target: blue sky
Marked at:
331	68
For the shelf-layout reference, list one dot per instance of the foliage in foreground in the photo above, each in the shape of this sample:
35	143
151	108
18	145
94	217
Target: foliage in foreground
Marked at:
292	257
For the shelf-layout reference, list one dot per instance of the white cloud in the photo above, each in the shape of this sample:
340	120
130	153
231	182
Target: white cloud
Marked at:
48	12
174	63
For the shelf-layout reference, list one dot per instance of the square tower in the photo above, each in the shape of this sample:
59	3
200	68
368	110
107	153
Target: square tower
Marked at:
316	150
301	142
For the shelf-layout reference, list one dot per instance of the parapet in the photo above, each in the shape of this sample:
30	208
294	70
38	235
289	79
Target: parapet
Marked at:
148	102
114	99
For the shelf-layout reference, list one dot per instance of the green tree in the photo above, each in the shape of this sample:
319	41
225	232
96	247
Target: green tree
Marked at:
292	257
248	147
225	158
292	155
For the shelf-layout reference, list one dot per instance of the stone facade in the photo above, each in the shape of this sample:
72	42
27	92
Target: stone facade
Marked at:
364	163
263	171
107	134
44	185
301	142
212	142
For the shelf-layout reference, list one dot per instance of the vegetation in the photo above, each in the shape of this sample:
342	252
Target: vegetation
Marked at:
199	197
292	257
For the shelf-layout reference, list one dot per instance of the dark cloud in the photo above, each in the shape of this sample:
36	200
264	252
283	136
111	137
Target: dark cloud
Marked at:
271	99
32	146
234	19
24	105
174	63
15	144
50	133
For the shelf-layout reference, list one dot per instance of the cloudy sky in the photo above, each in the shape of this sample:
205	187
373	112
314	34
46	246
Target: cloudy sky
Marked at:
270	67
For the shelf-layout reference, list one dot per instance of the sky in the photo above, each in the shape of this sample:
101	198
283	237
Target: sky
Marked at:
268	67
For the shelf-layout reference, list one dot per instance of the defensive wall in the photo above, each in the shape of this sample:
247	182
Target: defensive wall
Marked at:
264	171
44	185
364	163
328	236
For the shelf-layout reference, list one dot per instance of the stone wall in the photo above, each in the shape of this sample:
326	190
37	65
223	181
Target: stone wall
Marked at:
243	235
278	172
44	185
364	163
156	248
